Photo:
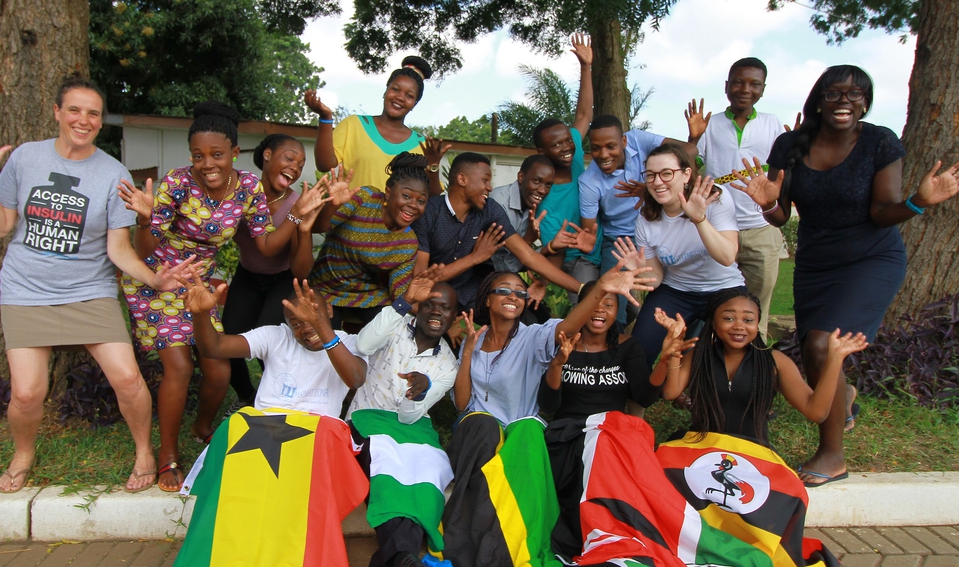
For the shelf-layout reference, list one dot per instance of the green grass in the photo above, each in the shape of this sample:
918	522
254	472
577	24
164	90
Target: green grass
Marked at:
782	302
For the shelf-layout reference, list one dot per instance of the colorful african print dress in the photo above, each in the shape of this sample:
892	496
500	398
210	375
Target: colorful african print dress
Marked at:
189	223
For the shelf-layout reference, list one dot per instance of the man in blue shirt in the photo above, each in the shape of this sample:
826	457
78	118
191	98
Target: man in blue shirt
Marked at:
611	187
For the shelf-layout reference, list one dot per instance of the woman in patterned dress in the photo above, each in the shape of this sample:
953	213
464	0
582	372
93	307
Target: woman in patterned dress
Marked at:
195	211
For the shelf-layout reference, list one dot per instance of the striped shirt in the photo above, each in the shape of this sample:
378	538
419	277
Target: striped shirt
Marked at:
362	263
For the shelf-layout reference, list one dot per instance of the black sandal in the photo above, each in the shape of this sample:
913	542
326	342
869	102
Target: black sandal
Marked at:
173	468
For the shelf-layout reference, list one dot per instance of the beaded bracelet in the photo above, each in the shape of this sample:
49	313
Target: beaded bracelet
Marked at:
292	219
333	343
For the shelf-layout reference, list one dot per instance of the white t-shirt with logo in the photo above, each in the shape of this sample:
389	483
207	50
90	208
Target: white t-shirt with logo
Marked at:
687	265
294	377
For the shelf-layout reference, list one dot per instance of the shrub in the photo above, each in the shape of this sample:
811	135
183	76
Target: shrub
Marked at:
790	238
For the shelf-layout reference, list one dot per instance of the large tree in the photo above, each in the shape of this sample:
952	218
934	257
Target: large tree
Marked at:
380	28
931	132
40	43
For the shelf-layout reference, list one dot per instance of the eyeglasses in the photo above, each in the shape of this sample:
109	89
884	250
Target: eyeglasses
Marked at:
852	95
506	291
666	175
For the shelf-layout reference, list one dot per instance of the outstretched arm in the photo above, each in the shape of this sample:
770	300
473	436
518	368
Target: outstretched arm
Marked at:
618	281
888	208
536	262
323	150
463	386
200	303
584	102
815	404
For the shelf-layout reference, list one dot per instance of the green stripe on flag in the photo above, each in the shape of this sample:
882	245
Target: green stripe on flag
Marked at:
419	502
197	548
717	547
370	422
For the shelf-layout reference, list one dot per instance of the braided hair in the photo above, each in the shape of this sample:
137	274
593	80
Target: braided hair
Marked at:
707	411
213	116
481	314
271	142
812	117
407	166
612	333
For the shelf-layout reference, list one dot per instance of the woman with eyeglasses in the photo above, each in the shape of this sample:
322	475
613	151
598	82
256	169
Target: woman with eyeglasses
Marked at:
844	177
496	387
687	233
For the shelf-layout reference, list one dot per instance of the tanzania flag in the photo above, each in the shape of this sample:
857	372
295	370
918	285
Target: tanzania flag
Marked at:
503	505
632	515
408	471
274	490
746	490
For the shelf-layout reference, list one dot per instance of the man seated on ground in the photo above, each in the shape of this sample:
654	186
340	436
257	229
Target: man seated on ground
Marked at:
463	228
612	186
410	368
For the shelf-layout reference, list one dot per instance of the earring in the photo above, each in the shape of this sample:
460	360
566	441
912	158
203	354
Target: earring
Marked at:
865	109
685	186
234	159
818	110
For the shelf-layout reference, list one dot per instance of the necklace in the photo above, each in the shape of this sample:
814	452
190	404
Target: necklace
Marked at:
285	192
229	186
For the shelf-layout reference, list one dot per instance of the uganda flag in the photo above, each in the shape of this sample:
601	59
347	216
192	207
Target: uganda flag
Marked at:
503	505
408	471
632	515
273	490
746	490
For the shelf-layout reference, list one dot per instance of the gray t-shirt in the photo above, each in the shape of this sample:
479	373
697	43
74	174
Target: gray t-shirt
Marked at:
65	207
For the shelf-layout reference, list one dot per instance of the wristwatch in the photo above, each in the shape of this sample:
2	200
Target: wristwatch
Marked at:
433	168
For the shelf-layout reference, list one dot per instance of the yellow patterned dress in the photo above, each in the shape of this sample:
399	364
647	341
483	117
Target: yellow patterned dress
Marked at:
189	223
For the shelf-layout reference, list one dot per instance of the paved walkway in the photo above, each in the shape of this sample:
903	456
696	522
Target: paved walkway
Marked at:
936	546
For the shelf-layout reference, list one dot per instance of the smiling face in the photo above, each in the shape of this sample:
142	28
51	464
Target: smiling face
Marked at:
607	146
603	316
303	332
80	118
506	306
475	179
534	185
736	322
212	154
405	202
282	166
400	97
436	314
842	114
666	194
556	143
745	87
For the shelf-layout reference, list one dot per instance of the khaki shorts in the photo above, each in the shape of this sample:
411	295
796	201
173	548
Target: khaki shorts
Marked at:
82	323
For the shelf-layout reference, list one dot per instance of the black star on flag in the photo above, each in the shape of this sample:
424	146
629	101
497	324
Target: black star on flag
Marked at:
268	433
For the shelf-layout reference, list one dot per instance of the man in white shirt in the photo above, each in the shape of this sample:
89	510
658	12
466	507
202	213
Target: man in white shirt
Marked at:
411	367
742	132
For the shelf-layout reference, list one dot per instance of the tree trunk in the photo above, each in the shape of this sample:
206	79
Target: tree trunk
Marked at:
41	42
931	133
611	96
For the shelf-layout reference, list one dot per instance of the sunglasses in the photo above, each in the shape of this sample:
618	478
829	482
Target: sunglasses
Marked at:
506	291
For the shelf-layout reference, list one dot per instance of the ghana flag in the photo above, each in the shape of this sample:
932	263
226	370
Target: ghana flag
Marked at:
503	505
745	489
273	490
408	471
632	515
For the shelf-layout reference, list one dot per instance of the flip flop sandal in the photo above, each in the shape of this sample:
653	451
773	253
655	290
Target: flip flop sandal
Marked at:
175	470
841	476
203	440
852	418
136	476
13	476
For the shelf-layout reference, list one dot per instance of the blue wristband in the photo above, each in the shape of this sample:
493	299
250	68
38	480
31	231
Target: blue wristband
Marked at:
333	343
422	395
325	121
913	207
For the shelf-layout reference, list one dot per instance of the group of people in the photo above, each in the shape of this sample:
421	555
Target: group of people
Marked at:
693	224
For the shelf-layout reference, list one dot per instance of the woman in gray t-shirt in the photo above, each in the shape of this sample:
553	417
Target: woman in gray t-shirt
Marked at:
58	282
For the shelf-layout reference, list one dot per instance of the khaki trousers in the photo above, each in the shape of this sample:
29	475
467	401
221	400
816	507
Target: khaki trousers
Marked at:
759	263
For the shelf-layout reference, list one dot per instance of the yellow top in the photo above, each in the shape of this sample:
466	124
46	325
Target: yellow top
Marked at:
360	147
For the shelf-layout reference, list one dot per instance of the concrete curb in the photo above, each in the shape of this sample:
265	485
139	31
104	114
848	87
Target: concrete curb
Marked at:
53	514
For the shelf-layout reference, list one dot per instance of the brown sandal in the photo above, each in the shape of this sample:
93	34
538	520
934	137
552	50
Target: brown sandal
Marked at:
174	469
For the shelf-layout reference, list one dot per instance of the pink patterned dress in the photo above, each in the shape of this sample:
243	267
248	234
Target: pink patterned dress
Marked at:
189	223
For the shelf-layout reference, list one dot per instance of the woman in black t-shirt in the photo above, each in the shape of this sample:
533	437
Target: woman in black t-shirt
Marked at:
594	371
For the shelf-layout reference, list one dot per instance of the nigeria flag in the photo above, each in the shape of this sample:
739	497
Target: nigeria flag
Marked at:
408	471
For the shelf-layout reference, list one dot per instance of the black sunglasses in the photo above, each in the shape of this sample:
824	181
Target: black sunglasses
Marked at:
505	291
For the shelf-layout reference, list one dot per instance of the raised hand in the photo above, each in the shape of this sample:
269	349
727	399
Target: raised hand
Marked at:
585	239
488	242
844	345
797	125
197	299
140	202
171	276
534	222
536	291
472	333
675	342
309	307
631	188
566	346
418	382
434	150
581	48
421	286
695	120
625	251
4	150
623	282
457	331
338	186
761	189
310	203
314	103
934	189
700	198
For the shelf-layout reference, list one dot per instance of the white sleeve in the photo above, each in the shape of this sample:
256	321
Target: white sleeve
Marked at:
377	332
260	340
411	411
722	213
